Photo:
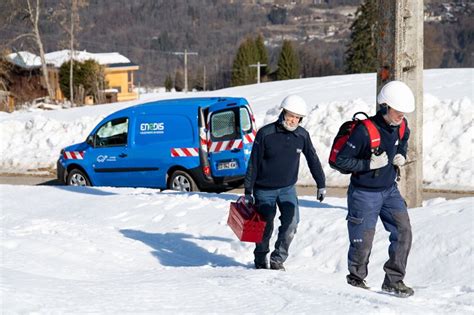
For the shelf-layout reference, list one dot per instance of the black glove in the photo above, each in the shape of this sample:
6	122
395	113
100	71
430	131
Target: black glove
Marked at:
249	200
320	194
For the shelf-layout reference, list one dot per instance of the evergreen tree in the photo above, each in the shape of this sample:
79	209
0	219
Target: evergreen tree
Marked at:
262	55
197	82
242	74
288	62
168	83
179	81
88	74
361	53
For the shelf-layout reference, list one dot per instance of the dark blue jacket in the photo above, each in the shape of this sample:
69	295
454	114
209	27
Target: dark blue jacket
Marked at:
275	158
355	155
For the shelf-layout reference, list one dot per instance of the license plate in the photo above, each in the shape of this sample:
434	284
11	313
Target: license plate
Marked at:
227	165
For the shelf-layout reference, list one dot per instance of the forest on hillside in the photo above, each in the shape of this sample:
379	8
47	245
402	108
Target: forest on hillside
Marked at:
150	33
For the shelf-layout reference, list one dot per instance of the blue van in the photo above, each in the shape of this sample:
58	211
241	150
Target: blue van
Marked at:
186	144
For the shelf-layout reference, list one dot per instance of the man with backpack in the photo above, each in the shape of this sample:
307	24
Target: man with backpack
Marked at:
373	190
272	173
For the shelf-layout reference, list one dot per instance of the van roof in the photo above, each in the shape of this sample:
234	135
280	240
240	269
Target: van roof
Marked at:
183	104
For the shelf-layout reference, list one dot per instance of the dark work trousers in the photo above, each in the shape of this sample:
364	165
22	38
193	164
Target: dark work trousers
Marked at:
267	201
364	209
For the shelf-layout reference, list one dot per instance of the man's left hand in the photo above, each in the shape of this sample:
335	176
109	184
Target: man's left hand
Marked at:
398	160
320	194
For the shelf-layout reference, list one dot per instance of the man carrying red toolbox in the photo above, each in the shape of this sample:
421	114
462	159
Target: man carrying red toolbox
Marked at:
272	173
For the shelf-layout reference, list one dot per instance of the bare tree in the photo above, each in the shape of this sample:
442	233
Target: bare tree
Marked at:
69	20
33	12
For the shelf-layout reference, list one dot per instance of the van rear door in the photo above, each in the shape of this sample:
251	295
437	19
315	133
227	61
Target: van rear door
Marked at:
228	147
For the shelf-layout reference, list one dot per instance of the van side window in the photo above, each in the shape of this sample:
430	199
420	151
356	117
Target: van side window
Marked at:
112	133
223	126
245	121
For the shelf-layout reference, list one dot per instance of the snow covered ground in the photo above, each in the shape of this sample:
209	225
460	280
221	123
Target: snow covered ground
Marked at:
30	141
76	250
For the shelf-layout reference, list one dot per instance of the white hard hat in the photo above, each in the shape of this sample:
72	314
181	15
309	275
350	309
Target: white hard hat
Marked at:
397	95
294	104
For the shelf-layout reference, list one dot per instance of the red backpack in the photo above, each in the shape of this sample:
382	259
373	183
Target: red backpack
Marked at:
346	130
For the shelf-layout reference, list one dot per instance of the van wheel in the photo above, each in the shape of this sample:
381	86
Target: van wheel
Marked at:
182	181
77	178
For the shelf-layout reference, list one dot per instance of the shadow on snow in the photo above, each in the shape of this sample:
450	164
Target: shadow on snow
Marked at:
179	250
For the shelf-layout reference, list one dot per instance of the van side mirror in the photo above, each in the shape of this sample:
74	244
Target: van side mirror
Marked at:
90	140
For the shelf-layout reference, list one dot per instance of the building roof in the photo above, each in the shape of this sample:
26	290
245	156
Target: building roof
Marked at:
24	59
28	60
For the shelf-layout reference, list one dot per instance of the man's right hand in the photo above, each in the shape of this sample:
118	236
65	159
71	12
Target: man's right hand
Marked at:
249	200
378	161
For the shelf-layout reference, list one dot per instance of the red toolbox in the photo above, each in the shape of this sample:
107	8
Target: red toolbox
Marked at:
246	223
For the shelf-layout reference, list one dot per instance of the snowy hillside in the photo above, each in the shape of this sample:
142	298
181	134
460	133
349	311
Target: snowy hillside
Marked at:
73	250
31	141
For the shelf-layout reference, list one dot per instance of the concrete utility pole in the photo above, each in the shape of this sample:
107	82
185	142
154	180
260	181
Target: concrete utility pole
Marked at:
400	56
258	65
204	79
185	53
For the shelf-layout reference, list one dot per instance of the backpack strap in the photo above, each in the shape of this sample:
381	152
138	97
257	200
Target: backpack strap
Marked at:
401	129
374	134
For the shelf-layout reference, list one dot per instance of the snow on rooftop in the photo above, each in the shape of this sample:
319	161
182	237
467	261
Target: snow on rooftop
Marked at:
57	58
24	59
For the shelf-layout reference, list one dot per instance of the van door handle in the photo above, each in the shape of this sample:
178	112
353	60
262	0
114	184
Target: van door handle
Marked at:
122	155
235	150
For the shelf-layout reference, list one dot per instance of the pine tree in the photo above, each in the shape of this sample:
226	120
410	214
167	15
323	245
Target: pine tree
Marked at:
242	74
168	83
262	55
288	62
179	81
88	74
361	53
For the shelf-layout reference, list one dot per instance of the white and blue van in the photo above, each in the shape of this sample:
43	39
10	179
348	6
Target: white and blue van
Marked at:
186	144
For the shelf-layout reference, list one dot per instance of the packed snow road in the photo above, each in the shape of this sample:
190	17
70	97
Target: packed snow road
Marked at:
302	190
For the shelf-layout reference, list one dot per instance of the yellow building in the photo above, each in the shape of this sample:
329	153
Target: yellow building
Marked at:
119	70
120	78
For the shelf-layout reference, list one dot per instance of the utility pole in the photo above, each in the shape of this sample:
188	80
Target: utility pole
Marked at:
185	53
204	79
400	57
258	65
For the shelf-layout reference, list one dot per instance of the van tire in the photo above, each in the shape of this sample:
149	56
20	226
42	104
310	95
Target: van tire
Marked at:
77	178
182	181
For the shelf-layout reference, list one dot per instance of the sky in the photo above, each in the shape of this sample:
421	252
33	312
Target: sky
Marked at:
107	250
32	139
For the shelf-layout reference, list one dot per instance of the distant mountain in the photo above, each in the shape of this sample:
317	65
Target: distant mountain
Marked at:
151	32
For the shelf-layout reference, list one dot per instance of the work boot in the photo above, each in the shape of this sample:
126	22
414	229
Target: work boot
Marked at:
398	288
277	266
356	282
261	265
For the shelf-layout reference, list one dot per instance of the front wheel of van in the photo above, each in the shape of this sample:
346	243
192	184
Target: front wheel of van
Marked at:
182	181
77	178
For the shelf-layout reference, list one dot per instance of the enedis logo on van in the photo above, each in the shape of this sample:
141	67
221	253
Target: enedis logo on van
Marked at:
152	128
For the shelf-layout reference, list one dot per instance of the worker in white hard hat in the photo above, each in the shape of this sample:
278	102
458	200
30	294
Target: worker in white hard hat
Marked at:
272	174
373	190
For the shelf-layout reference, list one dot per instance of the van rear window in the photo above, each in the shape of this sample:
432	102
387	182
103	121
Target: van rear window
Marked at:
245	121
223	125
